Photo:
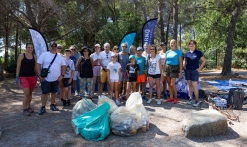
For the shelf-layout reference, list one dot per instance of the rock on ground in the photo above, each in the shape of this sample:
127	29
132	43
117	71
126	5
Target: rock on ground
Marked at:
204	123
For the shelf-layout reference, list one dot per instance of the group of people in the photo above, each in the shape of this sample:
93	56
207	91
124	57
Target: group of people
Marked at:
121	71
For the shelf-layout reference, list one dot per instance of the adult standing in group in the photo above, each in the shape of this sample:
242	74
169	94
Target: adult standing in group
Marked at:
60	85
104	61
123	59
75	56
162	53
192	69
115	49
146	51
56	73
155	70
96	70
133	50
173	69
26	76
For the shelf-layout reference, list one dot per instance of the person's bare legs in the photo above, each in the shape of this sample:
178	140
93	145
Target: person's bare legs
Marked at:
112	87
128	89
120	87
157	81
65	92
170	87
101	88
164	84
134	87
151	85
60	84
174	89
195	88
27	98
44	98
190	88
53	96
69	92
143	86
116	90
124	87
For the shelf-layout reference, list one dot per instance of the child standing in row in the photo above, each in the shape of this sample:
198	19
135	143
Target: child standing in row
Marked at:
113	72
68	77
132	70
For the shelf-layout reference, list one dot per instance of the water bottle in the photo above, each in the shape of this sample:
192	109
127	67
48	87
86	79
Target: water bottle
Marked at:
230	83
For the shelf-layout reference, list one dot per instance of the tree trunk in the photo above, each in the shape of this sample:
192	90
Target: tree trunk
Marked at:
175	19
161	21
16	42
6	54
168	25
226	70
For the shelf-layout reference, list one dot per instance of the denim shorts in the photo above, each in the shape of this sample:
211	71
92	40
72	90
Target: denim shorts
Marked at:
192	75
49	87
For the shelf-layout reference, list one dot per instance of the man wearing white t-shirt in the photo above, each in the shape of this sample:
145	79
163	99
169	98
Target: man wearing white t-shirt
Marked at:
146	52
104	61
56	73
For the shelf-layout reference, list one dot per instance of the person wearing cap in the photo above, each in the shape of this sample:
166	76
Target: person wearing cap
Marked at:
85	67
75	56
132	70
56	73
141	79
68	78
173	69
162	53
113	73
104	61
96	70
155	70
123	59
60	85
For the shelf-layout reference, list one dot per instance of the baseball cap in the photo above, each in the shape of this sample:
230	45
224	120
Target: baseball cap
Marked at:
97	45
139	48
163	43
131	57
113	54
84	47
53	43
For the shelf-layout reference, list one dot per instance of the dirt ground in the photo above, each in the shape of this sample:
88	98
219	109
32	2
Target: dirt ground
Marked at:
55	129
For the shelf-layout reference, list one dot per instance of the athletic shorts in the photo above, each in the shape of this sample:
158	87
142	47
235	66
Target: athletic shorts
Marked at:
76	75
49	87
114	80
66	82
96	70
132	79
28	82
141	79
103	76
124	76
171	71
192	75
156	76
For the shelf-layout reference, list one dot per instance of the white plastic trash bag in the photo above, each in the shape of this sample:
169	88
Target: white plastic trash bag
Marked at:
112	104
82	106
134	104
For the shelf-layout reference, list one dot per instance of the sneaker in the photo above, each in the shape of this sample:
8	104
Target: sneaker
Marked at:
54	108
196	104
159	102
26	112
175	100
76	93
190	101
149	101
170	100
42	111
117	102
64	102
68	102
30	110
144	97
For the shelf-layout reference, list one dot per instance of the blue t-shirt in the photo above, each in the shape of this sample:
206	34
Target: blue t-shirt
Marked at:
172	57
141	62
73	58
192	59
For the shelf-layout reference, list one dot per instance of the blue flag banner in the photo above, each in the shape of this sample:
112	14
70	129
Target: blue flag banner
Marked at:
39	42
148	31
127	38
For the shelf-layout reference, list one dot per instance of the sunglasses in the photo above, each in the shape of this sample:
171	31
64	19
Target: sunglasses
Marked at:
73	49
58	47
53	46
124	46
116	48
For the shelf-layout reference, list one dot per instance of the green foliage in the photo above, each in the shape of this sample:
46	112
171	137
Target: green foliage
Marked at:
11	68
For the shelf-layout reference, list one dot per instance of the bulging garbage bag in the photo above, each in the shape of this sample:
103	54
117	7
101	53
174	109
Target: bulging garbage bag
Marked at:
94	125
134	104
82	106
123	122
113	105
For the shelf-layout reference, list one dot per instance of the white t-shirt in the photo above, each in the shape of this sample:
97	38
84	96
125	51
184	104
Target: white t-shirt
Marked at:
162	56
114	69
106	58
55	69
145	54
69	68
96	58
154	67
